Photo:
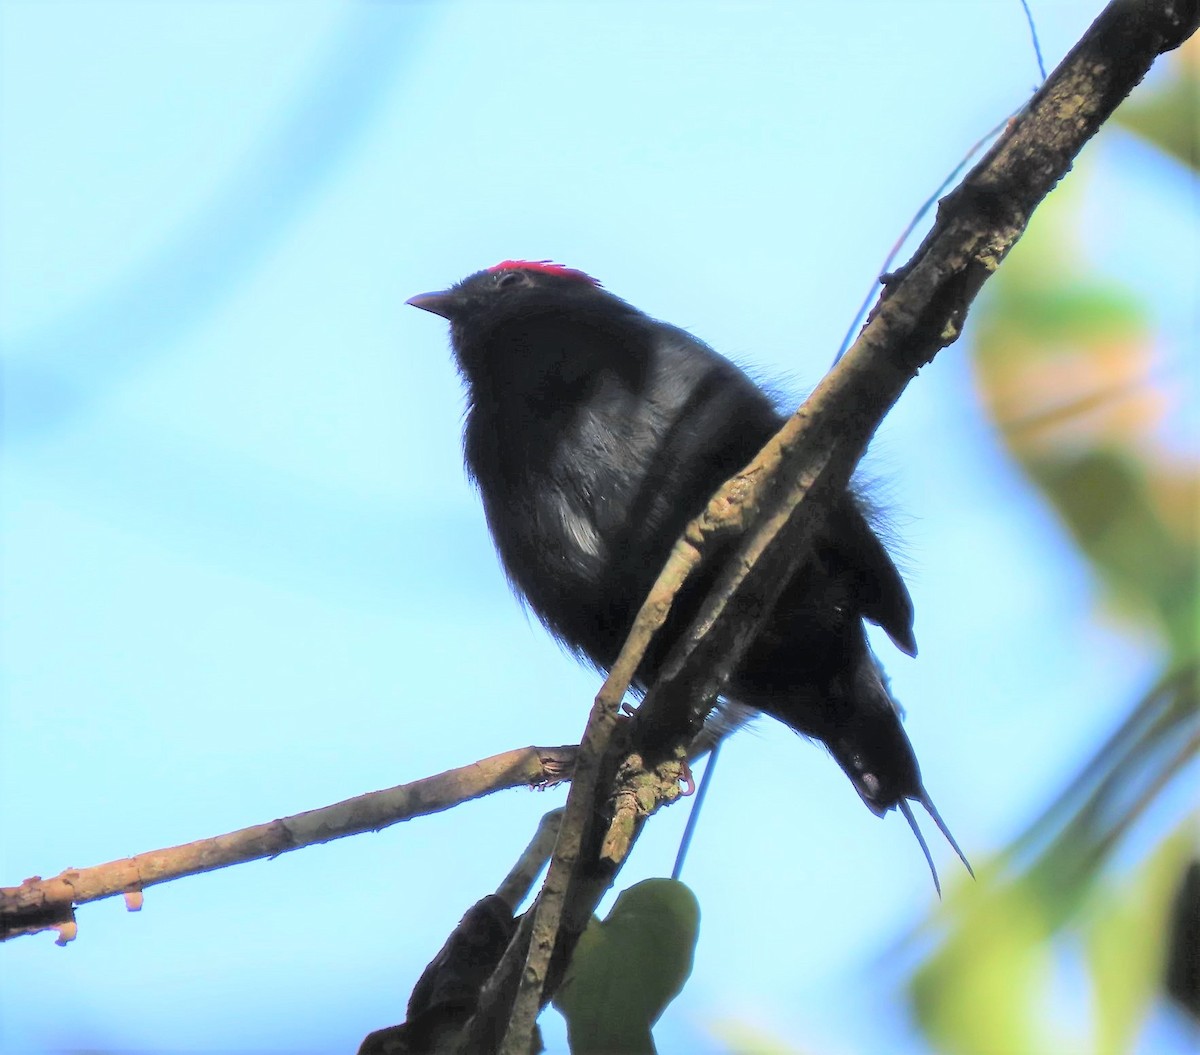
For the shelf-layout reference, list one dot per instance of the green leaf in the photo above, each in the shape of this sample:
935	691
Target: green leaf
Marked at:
626	970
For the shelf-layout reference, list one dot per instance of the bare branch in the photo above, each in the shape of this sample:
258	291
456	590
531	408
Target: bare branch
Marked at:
42	904
520	879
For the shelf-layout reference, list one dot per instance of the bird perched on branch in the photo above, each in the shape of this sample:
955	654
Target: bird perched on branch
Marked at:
595	433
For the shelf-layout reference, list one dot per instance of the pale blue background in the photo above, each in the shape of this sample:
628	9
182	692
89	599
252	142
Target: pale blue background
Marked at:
244	575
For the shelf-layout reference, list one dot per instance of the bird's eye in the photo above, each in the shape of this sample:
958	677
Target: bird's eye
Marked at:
509	278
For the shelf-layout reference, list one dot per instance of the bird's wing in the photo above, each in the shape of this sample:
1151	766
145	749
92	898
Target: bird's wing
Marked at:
880	589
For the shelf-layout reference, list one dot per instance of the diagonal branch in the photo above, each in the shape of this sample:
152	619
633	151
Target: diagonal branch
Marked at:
782	495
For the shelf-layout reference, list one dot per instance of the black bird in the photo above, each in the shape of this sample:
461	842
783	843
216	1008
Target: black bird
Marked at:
594	434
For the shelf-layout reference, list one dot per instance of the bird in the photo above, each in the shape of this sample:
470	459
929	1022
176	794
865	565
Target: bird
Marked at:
594	433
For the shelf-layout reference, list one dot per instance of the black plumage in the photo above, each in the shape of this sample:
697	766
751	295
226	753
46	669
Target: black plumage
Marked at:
594	434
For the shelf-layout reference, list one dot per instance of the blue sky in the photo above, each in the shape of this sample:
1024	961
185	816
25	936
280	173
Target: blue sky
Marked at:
244	575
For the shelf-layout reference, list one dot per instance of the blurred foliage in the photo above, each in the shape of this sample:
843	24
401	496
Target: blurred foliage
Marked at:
628	968
1183	962
1068	366
1168	115
990	985
747	1039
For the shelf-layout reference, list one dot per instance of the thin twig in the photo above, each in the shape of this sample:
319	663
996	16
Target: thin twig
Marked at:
519	882
1033	35
911	226
689	829
43	904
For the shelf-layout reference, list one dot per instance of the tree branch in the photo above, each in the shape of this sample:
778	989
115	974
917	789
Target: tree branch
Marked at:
779	500
447	992
42	904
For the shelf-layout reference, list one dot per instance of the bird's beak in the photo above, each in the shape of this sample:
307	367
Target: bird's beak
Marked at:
440	303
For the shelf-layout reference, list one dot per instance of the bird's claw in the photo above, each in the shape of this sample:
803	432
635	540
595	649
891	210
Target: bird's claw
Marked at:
688	781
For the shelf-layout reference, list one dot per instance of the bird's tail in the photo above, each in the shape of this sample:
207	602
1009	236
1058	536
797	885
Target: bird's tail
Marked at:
868	740
906	810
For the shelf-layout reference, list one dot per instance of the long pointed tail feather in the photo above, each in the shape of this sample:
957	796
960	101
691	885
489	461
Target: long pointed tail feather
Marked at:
906	809
931	809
